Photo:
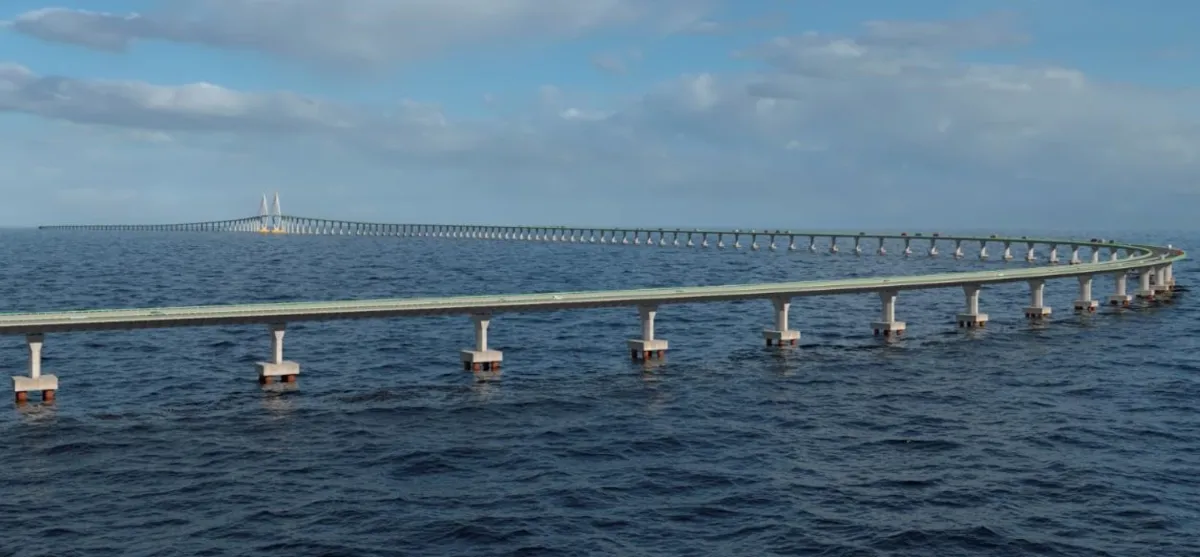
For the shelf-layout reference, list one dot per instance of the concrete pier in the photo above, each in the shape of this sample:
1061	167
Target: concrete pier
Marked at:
1160	281
1145	290
972	318
1119	296
647	348
887	324
277	368
35	381
1085	303
1037	309
781	335
481	358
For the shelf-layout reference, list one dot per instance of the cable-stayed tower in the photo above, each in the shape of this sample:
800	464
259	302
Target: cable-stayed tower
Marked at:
276	216
264	217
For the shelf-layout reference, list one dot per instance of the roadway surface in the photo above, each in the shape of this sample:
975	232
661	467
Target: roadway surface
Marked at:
108	319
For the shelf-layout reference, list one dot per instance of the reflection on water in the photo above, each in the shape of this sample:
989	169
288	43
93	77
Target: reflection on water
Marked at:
278	400
485	385
37	412
781	363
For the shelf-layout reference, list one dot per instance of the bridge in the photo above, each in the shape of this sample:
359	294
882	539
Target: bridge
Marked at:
1151	265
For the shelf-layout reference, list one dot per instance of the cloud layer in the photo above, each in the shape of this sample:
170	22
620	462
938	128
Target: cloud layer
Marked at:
887	122
354	33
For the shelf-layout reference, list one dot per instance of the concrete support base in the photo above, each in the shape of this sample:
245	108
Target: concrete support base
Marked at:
1145	294
647	349
1086	306
972	320
47	384
888	328
781	338
1122	300
482	360
285	371
1037	313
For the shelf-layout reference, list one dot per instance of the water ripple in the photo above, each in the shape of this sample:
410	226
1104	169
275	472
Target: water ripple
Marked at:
1075	438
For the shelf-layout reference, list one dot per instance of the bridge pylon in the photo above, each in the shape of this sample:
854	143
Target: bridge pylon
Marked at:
270	217
264	216
276	216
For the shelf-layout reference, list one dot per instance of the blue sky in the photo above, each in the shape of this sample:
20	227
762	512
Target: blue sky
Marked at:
852	114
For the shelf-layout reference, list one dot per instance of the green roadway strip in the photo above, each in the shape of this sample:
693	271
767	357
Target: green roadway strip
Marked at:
26	323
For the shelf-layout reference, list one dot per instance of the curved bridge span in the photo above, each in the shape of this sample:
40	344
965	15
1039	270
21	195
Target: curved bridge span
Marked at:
831	241
1152	267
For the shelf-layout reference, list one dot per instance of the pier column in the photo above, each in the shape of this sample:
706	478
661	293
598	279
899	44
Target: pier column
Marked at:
1145	292
972	319
887	324
481	358
285	370
647	347
1037	309
1085	303
1053	254
781	335
1160	280
47	384
1119	297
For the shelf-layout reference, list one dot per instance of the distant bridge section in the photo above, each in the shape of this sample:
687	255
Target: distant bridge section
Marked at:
831	241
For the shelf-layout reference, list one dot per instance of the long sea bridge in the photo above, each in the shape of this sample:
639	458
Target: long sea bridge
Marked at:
1152	266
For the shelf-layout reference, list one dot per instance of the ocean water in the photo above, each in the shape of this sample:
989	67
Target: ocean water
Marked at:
1080	437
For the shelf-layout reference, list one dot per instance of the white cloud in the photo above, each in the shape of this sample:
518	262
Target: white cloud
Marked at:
616	62
610	63
847	126
353	33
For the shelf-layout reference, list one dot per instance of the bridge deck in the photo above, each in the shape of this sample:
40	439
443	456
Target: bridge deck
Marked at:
26	323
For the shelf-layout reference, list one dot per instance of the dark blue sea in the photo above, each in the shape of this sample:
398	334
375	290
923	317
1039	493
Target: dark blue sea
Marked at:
1077	438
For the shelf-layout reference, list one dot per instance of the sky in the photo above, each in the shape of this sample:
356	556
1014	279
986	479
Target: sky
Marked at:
1064	114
